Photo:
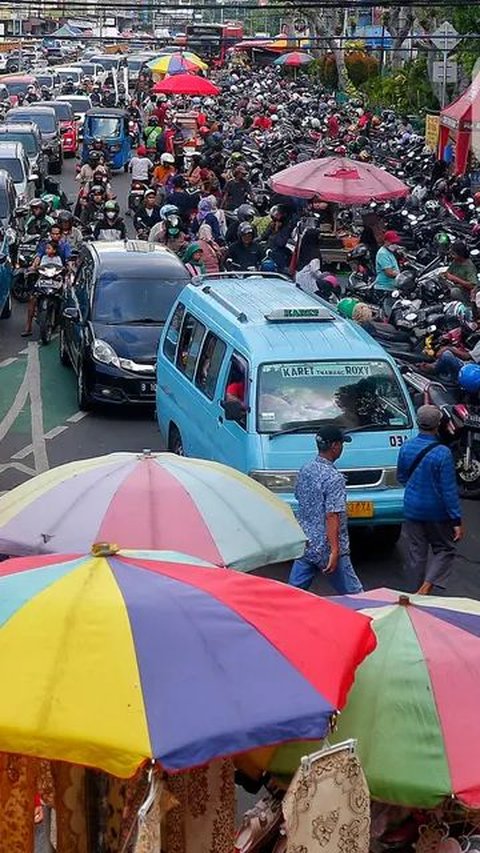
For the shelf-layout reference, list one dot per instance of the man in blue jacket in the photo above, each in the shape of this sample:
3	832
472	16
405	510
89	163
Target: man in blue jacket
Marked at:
432	511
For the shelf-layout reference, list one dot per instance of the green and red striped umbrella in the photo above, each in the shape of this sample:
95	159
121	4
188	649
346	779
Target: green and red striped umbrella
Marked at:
293	59
415	704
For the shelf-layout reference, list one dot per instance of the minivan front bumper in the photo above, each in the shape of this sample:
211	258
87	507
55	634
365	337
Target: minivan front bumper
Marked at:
387	505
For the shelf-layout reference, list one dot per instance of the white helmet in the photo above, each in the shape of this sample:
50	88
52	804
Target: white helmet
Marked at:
167	159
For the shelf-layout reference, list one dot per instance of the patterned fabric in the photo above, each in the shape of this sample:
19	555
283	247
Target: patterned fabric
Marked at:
321	489
327	807
204	820
18	787
69	781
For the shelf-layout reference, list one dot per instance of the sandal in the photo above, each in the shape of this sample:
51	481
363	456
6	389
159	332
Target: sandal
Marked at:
260	824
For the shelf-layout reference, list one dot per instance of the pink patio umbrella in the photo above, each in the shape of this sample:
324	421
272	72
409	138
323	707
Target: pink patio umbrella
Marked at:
338	179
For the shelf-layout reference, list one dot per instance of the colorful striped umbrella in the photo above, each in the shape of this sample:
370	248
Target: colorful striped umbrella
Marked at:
293	59
415	704
115	658
174	63
157	501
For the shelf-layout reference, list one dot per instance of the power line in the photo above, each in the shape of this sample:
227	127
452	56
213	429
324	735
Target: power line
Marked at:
154	5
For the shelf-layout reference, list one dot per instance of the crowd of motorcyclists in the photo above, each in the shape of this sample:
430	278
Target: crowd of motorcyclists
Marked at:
411	276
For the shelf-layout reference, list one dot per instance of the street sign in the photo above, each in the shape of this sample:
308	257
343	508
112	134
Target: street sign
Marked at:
432	131
445	37
449	74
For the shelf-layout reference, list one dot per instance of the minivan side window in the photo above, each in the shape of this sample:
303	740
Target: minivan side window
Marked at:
173	331
236	386
189	347
209	364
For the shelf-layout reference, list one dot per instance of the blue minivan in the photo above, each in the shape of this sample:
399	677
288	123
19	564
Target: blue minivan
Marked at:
248	369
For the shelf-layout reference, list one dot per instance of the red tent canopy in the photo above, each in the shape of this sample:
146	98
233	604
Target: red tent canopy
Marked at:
338	179
460	119
186	84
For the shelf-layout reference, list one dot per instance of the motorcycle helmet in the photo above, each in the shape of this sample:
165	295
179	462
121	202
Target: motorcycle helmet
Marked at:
167	159
459	310
442	241
111	209
153	121
431	206
98	143
405	282
245	213
245	228
327	284
469	378
64	217
346	306
97	189
37	205
168	210
142	151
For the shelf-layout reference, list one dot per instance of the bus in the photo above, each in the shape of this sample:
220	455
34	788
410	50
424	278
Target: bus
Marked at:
213	40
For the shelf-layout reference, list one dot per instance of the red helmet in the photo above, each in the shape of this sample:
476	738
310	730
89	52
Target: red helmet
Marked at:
142	151
204	130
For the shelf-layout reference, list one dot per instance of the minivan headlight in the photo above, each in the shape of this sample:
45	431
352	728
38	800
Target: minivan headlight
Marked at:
276	481
104	353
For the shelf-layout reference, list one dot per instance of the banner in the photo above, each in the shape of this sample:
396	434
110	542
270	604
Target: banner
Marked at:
432	131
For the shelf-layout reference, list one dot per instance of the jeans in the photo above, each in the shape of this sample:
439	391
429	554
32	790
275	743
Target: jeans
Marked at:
343	579
448	364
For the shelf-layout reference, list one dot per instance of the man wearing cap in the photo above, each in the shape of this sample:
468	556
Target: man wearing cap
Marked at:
386	264
432	511
322	513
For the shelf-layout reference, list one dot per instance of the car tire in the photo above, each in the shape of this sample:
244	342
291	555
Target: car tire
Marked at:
62	349
386	536
83	398
175	443
7	308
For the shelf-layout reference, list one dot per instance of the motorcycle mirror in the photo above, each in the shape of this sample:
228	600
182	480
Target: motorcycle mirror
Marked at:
404	212
395	294
431	329
475	253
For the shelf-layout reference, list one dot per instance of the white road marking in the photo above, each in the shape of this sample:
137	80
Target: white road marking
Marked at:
36	410
15	408
52	433
7	362
23	351
25	451
78	416
24	469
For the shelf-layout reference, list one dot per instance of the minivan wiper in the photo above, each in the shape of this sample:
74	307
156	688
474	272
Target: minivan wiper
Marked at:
298	426
310	426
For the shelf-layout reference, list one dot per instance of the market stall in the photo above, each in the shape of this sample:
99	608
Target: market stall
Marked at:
460	125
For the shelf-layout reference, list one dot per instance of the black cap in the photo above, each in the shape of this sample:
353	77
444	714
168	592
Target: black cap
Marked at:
328	434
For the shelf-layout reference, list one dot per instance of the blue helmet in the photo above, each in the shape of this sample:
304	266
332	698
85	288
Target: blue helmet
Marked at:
469	378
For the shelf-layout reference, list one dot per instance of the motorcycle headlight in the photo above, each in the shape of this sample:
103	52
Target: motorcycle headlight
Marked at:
276	481
11	236
104	353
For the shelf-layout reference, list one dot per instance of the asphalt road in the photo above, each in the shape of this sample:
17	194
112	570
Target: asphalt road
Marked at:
41	427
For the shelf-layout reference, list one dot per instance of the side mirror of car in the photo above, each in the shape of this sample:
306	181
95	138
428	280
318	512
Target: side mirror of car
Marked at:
234	410
72	314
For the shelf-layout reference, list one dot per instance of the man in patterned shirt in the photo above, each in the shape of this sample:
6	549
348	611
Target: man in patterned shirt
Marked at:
322	513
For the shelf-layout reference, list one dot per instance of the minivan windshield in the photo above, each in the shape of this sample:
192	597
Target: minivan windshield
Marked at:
46	122
28	140
63	110
65	73
353	395
14	167
121	301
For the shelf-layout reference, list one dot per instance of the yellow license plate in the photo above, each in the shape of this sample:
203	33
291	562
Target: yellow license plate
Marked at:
360	509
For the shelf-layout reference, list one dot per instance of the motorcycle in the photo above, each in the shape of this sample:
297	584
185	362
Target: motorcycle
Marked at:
459	429
48	290
21	286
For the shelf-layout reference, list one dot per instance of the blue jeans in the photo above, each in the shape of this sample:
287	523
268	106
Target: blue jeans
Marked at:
343	579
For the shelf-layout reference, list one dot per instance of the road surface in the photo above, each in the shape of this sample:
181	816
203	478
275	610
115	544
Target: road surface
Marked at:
41	427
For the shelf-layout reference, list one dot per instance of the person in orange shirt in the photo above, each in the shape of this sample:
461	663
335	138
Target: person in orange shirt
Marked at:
165	170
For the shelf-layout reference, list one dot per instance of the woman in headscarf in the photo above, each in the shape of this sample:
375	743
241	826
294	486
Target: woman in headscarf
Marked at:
192	257
219	214
205	215
211	251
